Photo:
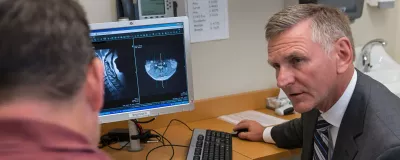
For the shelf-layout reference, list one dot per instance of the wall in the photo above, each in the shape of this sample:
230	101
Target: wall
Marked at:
222	67
239	64
397	53
99	10
378	23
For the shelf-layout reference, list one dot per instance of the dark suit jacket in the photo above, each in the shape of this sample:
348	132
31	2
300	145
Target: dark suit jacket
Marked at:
370	128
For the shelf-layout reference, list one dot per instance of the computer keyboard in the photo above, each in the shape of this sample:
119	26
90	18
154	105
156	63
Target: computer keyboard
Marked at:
210	145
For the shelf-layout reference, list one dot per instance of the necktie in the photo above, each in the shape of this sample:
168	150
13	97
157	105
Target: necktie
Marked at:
321	140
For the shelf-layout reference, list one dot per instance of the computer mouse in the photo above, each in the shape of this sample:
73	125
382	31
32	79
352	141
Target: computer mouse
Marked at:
236	133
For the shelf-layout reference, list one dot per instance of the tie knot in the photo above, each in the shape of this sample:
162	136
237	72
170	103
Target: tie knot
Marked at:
322	124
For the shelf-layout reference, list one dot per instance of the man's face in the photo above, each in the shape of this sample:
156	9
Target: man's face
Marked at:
303	70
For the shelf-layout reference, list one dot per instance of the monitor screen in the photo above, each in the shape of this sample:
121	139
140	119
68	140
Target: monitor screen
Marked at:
144	67
152	7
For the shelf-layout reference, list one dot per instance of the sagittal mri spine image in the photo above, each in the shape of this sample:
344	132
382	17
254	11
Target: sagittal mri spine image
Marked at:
161	69
114	81
120	82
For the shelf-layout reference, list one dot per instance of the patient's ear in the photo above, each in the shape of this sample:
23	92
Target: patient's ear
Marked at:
344	54
94	85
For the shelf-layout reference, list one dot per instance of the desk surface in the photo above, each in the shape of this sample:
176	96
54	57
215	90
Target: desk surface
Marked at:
179	134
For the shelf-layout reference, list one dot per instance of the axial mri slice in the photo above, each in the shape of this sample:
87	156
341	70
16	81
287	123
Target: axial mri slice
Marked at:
161	69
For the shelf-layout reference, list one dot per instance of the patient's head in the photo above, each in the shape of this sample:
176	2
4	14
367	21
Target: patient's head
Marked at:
311	48
48	68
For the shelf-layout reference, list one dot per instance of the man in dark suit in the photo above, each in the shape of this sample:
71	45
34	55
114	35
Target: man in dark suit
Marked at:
345	114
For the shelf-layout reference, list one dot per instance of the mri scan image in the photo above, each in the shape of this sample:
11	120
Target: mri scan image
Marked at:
161	69
114	79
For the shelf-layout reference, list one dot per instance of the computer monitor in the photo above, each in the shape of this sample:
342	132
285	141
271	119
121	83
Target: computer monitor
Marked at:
147	67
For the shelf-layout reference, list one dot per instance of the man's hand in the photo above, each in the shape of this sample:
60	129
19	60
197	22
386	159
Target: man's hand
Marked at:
255	130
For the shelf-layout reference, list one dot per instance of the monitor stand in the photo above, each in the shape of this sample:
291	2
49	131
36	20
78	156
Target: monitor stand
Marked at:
134	145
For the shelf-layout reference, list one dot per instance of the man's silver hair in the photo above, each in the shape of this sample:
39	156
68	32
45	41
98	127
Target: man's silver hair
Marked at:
328	24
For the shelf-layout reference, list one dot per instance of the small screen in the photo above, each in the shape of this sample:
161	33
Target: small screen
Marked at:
152	7
145	67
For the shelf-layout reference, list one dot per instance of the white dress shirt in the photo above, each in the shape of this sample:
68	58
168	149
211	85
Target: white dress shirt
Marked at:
333	116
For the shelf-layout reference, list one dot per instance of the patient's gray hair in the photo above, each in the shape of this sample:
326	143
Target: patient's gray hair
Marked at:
328	24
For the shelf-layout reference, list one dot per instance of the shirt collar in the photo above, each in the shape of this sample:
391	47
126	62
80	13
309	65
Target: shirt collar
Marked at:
335	114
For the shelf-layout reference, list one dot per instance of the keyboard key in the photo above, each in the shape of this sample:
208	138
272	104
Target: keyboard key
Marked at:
227	136
197	151
199	144
196	158
200	137
208	133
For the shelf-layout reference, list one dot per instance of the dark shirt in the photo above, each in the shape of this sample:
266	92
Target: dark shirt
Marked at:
22	139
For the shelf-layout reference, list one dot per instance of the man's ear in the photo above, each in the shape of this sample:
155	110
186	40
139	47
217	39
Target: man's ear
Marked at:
344	54
94	85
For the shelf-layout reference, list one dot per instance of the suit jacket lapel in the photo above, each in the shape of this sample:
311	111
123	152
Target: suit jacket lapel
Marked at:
352	124
310	120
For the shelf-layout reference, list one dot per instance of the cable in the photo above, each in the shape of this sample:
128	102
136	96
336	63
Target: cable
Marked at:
102	142
163	137
148	121
118	149
106	141
138	126
172	146
170	124
159	139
